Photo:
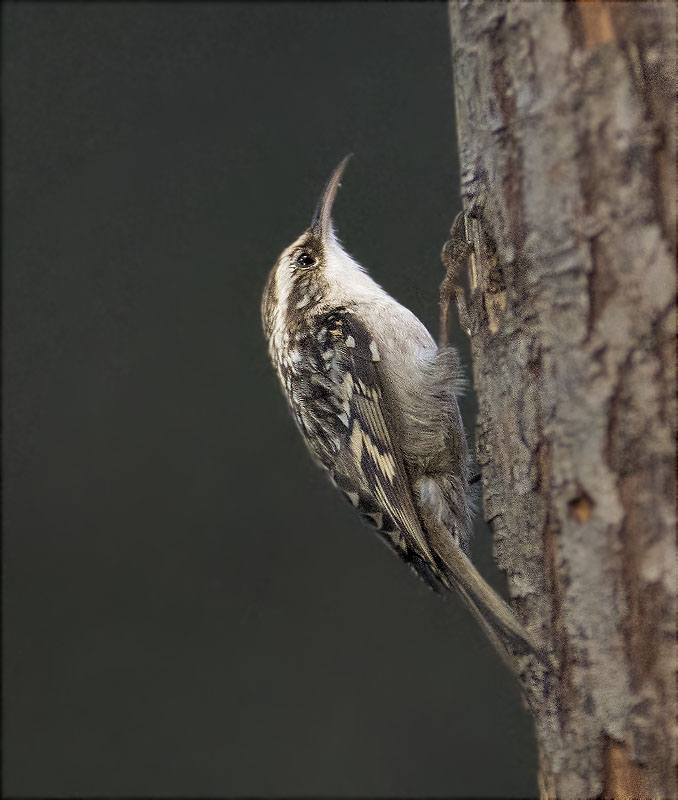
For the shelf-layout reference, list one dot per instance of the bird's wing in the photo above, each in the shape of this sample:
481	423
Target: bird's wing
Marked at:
366	462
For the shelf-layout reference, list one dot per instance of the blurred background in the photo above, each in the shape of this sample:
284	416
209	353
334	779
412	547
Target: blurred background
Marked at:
189	607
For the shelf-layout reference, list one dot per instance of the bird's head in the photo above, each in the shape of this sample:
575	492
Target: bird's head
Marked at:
301	278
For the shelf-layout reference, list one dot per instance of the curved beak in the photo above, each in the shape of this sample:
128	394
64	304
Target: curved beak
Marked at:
321	224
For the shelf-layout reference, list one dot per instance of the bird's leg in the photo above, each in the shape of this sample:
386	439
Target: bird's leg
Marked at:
454	253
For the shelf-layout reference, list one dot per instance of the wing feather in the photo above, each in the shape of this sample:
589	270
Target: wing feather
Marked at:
368	462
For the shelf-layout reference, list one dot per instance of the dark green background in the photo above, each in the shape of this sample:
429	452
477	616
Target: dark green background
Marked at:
189	608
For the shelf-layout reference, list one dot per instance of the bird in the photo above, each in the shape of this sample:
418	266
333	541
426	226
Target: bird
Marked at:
375	400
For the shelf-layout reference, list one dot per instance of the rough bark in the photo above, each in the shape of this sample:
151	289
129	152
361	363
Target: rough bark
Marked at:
566	139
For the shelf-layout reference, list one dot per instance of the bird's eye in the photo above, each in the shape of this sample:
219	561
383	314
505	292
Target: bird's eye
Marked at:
305	260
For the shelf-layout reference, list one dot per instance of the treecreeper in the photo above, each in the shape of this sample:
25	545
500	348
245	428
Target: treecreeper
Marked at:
375	400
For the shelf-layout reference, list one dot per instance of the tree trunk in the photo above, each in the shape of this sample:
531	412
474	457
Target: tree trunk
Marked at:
565	119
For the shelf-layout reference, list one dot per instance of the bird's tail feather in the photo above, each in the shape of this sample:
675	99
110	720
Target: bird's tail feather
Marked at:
506	632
